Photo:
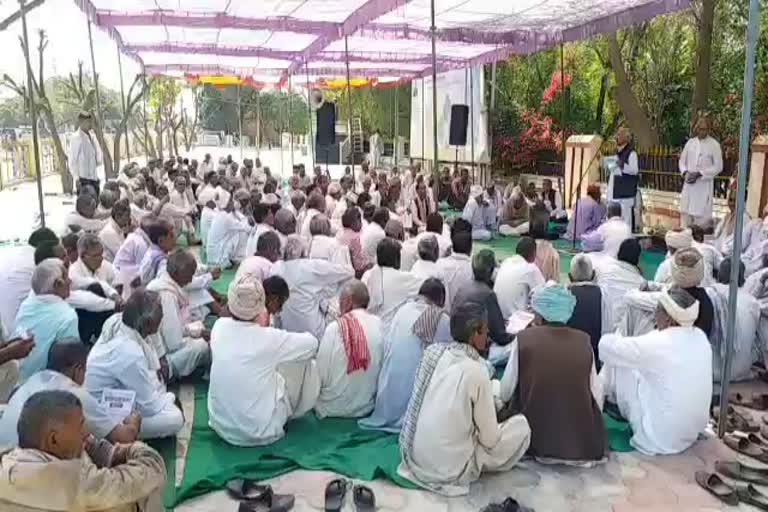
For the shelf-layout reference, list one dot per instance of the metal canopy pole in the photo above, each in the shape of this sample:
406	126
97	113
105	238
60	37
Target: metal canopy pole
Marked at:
423	126
433	31
146	121
32	114
311	144
239	122
397	125
349	105
471	120
122	97
746	113
95	81
258	123
290	112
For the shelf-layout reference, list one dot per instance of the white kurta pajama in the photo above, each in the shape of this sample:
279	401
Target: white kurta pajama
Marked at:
342	394
457	274
389	289
515	281
662	383
112	237
275	373
705	157
457	436
184	348
226	235
615	279
329	249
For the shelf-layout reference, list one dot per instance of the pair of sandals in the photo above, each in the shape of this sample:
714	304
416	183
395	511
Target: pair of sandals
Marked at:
732	495
757	401
336	494
508	505
752	446
256	497
735	420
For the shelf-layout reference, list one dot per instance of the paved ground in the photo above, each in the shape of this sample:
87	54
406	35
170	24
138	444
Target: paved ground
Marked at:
627	482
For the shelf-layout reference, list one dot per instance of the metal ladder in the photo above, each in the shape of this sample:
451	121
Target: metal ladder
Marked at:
357	137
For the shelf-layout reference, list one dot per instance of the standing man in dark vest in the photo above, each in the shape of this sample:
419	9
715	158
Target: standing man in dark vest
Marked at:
625	174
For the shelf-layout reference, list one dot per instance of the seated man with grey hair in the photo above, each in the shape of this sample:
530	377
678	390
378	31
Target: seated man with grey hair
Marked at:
428	251
124	357
285	225
297	200
52	472
349	357
450	433
590	308
314	285
480	214
323	245
183	341
274	369
45	315
480	290
662	381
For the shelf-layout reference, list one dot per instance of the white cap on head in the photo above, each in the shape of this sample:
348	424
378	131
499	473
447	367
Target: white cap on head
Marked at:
476	190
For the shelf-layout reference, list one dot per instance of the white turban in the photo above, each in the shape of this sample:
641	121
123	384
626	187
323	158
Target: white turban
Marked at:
678	239
246	297
684	317
476	190
269	199
334	188
687	268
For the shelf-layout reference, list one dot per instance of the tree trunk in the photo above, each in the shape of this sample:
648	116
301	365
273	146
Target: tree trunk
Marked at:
106	154
159	139
61	155
703	58
601	104
635	115
117	149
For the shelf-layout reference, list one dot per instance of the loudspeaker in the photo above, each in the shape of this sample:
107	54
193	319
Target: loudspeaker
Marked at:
326	124
459	117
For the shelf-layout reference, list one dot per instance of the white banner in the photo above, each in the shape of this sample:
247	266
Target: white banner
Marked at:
452	89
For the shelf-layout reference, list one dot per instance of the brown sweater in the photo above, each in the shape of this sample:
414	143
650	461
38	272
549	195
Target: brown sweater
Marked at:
553	393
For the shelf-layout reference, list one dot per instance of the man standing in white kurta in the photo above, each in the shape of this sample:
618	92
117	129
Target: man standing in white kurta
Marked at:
349	357
700	161
450	434
662	381
273	368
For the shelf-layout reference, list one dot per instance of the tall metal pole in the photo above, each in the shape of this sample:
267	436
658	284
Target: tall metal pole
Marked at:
96	84
258	123
744	140
239	121
395	151
290	112
471	120
423	124
311	144
146	121
122	97
32	114
349	104
491	109
435	159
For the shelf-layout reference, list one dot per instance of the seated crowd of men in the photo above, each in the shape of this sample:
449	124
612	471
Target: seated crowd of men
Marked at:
353	299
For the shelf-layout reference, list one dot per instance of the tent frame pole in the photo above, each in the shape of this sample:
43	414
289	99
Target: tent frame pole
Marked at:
471	121
433	34
258	123
311	144
395	153
290	111
744	140
349	105
122	99
32	113
95	80
239	121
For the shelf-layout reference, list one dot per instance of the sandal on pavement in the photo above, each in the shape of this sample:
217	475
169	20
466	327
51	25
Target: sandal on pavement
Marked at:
758	401
715	485
744	446
751	496
335	493
364	499
244	489
738	471
268	502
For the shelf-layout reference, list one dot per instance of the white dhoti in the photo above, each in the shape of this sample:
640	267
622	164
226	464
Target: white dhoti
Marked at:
481	234
507	230
187	359
621	388
302	387
166	423
9	377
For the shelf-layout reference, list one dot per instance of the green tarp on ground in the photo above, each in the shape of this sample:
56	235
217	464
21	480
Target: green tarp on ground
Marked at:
330	444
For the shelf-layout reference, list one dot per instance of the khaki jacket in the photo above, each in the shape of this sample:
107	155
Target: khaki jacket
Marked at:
35	481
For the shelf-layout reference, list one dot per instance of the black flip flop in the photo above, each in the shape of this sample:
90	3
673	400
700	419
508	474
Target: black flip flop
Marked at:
268	502
335	493
244	489
364	499
715	485
738	471
752	496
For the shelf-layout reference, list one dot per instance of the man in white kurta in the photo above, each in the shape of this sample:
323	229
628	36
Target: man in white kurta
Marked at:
271	367
114	232
373	233
226	235
183	341
389	287
124	357
475	213
700	162
349	357
428	251
323	246
450	433
619	168
614	230
83	155
615	278
456	269
90	268
314	285
517	277
662	381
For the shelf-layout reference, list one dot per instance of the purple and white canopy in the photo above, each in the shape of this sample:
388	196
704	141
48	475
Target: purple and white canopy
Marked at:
388	39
